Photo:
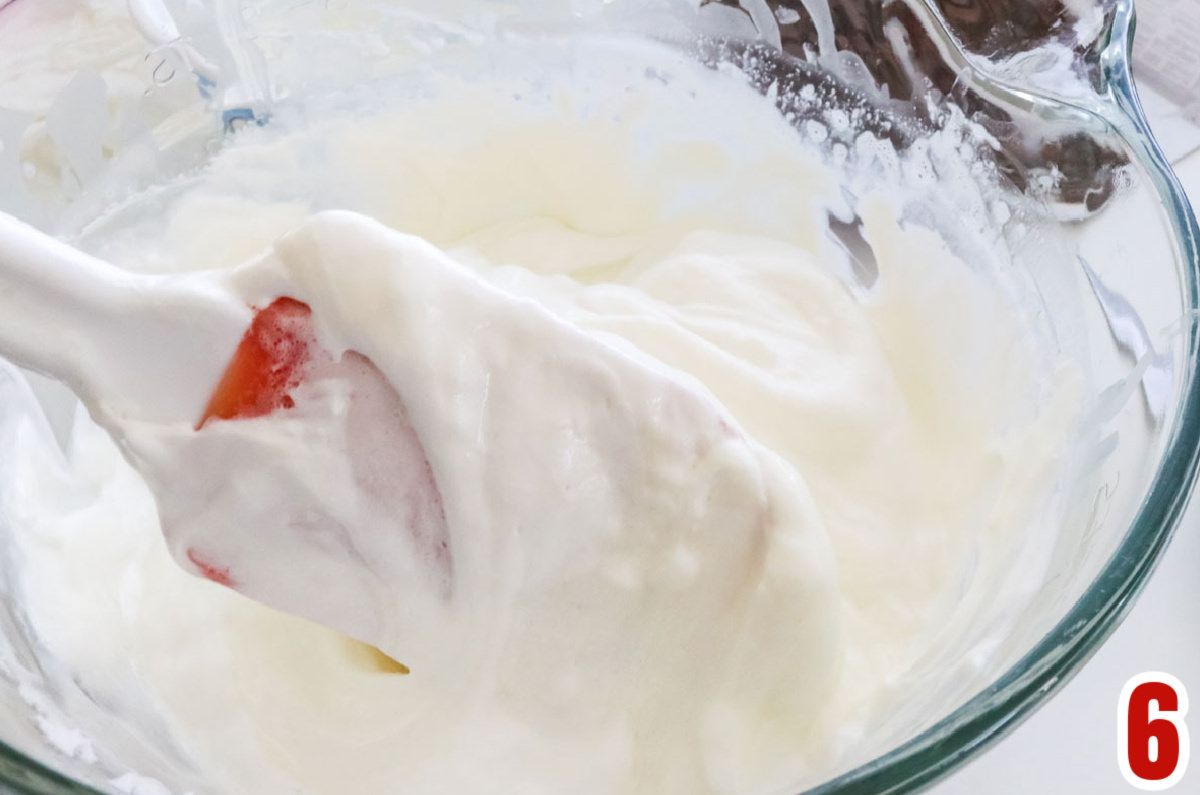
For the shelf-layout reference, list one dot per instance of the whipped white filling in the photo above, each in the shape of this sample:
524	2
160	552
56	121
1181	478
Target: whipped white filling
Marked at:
897	442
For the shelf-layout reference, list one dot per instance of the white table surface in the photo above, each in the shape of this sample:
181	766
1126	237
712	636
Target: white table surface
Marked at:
1069	747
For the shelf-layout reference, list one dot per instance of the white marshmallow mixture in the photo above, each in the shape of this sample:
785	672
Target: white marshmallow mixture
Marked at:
896	439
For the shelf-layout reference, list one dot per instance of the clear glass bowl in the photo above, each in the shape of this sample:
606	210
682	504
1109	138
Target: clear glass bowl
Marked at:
1089	210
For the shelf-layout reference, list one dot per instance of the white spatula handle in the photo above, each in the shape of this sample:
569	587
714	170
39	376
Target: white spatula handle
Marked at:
150	347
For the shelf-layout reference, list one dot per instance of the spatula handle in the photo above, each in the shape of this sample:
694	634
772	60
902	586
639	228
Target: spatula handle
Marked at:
136	346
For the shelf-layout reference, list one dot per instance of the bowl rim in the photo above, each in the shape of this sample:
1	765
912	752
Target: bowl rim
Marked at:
1061	653
1000	708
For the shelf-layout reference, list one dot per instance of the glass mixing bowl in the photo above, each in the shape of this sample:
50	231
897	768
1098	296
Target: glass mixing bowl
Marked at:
1087	208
